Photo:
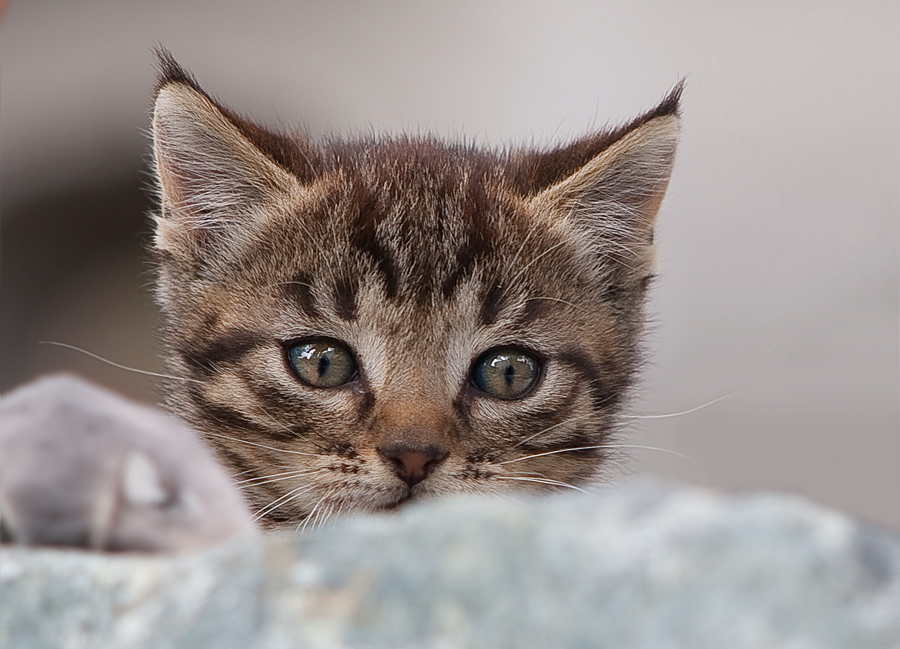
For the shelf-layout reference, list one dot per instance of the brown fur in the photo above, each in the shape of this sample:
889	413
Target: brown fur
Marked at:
418	256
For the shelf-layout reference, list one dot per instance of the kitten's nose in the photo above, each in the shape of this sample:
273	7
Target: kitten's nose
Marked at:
412	464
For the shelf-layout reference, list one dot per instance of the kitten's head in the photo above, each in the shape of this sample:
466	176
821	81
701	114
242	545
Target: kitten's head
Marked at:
358	324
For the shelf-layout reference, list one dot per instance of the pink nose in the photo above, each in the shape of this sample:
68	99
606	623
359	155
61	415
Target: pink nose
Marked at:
412	464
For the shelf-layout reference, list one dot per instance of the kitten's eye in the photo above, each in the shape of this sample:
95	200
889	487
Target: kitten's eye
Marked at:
505	372
322	363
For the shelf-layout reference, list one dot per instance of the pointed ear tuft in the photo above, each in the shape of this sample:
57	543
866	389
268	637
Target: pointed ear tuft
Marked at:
610	202
671	105
170	71
212	178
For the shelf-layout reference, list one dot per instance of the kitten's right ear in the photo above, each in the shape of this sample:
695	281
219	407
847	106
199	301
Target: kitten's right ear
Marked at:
212	178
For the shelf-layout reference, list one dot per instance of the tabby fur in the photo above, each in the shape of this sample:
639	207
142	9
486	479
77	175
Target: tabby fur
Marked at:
418	255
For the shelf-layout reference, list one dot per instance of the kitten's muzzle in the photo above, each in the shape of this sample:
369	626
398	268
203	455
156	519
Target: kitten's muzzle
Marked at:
412	464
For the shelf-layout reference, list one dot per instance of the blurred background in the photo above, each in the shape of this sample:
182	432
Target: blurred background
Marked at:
778	239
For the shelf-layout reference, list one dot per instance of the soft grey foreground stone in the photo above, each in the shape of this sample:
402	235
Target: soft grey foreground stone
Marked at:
81	466
631	567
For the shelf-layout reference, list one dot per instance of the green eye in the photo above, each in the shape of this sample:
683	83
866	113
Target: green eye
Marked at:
505	372
322	363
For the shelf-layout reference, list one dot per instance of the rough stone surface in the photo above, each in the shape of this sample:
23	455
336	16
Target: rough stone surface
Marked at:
642	566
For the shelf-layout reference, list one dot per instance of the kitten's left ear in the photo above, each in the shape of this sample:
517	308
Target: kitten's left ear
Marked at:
610	202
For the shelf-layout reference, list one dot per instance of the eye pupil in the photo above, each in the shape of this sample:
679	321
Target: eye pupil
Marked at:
505	373
322	363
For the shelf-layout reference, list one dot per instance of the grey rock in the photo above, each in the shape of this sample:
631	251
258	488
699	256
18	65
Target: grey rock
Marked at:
638	566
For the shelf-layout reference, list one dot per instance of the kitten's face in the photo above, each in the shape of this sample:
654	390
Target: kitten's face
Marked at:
366	324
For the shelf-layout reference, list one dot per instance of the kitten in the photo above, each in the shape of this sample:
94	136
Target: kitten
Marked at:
364	323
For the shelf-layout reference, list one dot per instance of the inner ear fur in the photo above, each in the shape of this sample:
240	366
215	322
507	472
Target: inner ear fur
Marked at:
212	178
610	203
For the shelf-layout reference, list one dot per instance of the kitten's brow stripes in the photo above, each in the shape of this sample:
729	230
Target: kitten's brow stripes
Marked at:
492	305
364	238
478	246
495	301
300	292
533	309
539	307
345	299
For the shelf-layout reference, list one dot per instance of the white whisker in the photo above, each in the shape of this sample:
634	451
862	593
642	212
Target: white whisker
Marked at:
546	481
515	258
281	499
271	448
549	428
309	286
302	526
325	515
554	299
651	448
266	479
275	466
277	423
334	514
599	446
683	412
114	364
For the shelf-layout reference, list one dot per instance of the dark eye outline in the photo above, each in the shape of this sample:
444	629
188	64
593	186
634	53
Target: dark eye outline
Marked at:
287	346
540	359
